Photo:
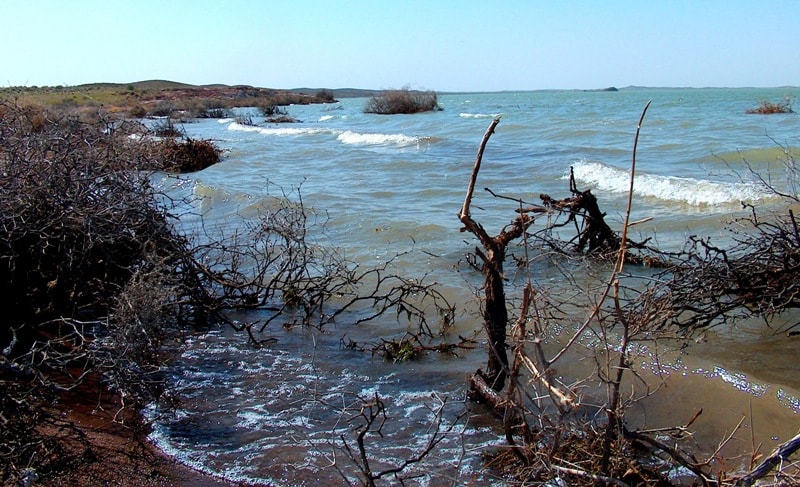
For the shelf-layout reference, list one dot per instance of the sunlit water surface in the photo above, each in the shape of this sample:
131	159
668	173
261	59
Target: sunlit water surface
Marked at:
394	184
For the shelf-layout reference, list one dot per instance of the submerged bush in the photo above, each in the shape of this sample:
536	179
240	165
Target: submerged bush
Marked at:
189	155
273	109
402	101
768	108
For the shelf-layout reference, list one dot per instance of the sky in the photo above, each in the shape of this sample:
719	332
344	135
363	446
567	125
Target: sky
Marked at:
437	45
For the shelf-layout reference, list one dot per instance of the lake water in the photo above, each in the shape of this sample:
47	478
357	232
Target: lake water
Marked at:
394	184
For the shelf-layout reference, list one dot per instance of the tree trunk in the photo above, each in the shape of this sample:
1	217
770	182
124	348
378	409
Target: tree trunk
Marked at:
495	319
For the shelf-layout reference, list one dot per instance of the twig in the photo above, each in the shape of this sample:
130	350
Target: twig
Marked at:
672	452
473	179
778	456
599	479
621	255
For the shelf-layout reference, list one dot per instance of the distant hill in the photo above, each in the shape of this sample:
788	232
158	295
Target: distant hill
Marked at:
340	92
162	85
163	98
155	84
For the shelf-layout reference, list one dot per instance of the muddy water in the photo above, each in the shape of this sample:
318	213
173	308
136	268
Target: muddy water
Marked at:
288	413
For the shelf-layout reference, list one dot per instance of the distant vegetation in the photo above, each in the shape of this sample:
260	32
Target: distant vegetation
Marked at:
162	98
767	107
402	101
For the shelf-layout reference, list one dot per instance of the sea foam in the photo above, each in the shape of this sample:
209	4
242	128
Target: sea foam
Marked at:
478	115
697	192
278	130
357	138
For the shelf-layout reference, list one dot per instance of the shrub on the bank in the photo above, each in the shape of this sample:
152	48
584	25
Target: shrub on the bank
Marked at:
402	101
325	96
85	250
189	155
78	220
137	111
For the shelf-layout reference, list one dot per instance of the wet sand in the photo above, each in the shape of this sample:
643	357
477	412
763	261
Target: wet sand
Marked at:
112	449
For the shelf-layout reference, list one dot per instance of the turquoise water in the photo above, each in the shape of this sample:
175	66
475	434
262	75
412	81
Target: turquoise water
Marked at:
394	184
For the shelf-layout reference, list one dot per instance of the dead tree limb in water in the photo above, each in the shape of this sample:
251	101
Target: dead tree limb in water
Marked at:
495	313
594	235
776	458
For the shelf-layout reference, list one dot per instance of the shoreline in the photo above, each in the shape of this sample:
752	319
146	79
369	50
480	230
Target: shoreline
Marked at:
110	447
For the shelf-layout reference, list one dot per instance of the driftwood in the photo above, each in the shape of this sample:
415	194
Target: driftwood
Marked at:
780	455
596	236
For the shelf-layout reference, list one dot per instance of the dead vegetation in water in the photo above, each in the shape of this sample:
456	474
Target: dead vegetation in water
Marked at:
769	108
402	101
98	282
552	439
189	155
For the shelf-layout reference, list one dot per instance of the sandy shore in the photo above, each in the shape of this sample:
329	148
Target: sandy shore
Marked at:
115	453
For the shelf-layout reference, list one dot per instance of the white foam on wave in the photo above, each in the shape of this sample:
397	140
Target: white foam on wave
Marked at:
478	115
278	130
697	192
357	138
346	137
325	117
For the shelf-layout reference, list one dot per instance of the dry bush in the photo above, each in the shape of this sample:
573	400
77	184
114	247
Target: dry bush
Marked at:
273	109
217	112
188	155
325	96
401	101
767	107
68	199
166	128
757	274
79	225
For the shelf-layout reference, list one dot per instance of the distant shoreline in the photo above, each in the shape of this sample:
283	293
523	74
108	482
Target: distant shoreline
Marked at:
349	92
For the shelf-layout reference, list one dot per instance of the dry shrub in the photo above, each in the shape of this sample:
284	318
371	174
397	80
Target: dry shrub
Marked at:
403	101
537	463
272	109
189	155
82	238
768	107
76	220
137	111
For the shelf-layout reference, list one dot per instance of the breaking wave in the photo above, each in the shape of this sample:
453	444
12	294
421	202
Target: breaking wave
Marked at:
478	115
357	138
278	130
697	192
344	136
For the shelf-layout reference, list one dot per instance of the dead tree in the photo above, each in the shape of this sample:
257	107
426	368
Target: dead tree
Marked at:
495	313
596	236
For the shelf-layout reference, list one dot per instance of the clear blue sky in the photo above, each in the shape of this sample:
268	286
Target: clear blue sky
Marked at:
439	45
